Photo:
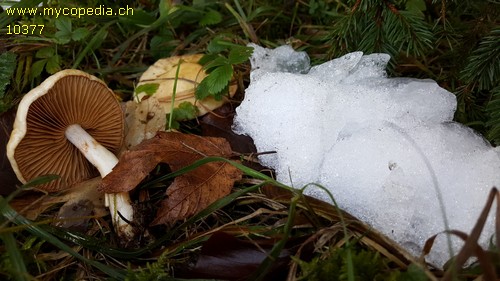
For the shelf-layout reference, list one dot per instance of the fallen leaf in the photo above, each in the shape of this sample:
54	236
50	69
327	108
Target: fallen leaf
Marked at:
32	204
218	124
225	257
82	202
190	192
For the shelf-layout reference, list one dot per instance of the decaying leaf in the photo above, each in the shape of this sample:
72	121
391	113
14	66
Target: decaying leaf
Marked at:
143	120
31	205
190	192
83	202
218	124
225	257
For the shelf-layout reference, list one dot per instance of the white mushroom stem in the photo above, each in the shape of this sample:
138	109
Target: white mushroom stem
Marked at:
104	161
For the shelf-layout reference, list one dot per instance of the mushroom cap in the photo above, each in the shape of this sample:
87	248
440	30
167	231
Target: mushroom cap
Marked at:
190	75
38	144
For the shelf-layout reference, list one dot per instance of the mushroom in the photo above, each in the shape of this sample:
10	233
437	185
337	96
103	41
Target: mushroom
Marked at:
191	73
70	125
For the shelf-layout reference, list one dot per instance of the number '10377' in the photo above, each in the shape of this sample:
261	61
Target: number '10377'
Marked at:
25	29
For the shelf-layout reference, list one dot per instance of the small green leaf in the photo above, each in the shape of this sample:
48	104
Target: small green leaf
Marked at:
148	88
207	58
7	67
161	45
202	90
64	26
37	68
79	34
62	38
239	55
210	18
218	96
185	111
215	46
45	53
218	79
53	64
218	61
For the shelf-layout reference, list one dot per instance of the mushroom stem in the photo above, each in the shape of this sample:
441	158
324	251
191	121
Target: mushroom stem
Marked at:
104	161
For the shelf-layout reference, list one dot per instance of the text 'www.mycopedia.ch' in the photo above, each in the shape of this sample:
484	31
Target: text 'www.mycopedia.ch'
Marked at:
78	12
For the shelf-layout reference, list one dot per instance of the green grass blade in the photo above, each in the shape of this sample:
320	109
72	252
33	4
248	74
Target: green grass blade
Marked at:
174	92
93	44
28	185
268	262
13	216
17	266
247	171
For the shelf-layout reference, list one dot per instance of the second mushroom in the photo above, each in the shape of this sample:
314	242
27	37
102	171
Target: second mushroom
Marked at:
68	125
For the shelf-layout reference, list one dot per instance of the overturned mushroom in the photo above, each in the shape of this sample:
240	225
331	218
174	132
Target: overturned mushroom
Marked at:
191	73
69	120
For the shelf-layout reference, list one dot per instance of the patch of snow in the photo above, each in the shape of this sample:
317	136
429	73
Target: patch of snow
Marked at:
386	148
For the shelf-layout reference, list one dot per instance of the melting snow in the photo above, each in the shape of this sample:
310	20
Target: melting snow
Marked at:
386	148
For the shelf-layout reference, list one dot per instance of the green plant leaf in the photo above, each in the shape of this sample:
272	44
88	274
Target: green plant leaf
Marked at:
41	233
215	82
79	34
93	44
53	64
210	18
17	266
7	68
45	53
219	78
216	62
215	46
202	90
185	111
207	58
148	88
161	45
37	68
64	33
63	24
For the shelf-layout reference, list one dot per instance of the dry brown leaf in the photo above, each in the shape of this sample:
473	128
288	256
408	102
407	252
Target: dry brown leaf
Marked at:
190	192
33	204
81	202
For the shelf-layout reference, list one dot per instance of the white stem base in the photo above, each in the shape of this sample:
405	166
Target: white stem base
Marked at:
104	161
